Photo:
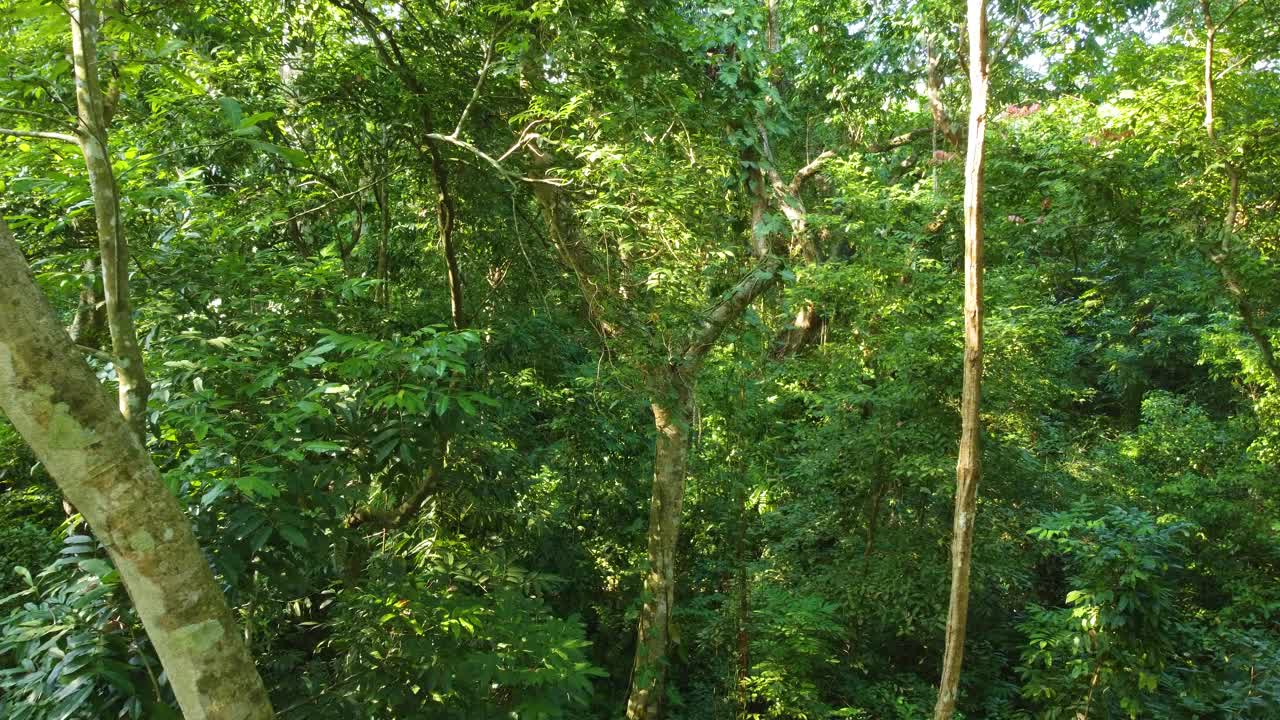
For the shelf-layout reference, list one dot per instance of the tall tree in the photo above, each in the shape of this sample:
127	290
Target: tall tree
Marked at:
94	118
94	109
969	463
1220	252
56	403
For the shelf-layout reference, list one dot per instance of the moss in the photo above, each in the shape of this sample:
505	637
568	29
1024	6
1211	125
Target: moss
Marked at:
200	637
65	432
142	541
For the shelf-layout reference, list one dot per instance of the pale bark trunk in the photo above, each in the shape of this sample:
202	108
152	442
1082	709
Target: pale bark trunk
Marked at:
969	463
134	388
57	405
806	326
672	412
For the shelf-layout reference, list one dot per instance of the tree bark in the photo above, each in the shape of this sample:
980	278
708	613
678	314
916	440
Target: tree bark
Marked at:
382	293
969	462
90	319
673	406
134	388
57	405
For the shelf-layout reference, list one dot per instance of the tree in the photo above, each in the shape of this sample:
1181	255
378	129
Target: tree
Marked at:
969	464
94	111
53	399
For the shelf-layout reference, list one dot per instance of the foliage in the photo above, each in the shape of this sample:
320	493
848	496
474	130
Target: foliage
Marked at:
73	650
413	518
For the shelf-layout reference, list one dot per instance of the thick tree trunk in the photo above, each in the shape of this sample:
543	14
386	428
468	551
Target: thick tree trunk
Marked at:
969	463
127	355
672	412
54	401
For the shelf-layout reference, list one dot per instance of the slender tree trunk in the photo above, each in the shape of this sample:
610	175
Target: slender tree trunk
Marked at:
90	319
382	294
446	220
388	48
744	608
969	463
54	401
672	412
127	355
1220	256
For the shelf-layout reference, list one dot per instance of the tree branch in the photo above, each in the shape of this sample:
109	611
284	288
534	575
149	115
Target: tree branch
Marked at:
807	171
95	352
338	198
729	308
41	135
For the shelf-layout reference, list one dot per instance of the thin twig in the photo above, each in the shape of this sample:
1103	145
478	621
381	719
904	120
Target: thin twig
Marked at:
343	196
31	113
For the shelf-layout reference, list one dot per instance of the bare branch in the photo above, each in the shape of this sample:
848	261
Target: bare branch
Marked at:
808	171
1231	13
898	141
338	198
509	175
484	74
95	352
40	134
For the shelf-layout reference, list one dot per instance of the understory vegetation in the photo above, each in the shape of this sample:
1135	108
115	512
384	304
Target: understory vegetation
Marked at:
595	359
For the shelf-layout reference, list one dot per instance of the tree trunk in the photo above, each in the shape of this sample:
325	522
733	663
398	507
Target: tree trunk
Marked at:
672	411
57	405
744	608
1220	256
90	319
127	355
969	463
382	293
446	219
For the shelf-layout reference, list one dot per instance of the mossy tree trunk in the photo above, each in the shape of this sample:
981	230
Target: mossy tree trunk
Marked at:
56	403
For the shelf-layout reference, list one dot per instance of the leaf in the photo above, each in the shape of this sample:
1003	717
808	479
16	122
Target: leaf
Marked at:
294	157
231	111
97	567
292	534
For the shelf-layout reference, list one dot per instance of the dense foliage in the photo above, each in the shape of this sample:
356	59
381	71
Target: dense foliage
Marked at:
407	278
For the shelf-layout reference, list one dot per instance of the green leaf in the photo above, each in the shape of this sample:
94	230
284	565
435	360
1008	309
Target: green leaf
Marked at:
292	534
231	112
